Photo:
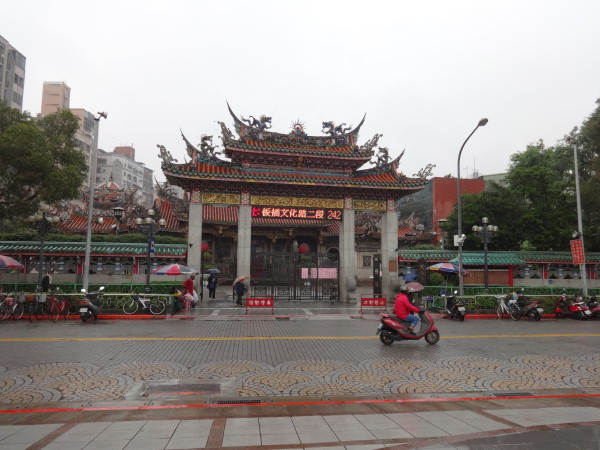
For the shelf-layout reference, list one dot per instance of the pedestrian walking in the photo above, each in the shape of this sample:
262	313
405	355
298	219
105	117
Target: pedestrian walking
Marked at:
188	289
212	286
240	288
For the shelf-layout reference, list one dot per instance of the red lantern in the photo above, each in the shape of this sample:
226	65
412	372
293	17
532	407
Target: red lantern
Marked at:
303	248
204	246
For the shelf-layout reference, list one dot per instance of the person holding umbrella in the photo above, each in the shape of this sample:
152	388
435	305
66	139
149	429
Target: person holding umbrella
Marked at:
212	286
240	288
188	288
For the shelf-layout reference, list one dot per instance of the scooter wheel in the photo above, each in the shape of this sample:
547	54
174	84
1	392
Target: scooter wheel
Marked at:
432	337
461	318
84	318
560	316
386	338
537	317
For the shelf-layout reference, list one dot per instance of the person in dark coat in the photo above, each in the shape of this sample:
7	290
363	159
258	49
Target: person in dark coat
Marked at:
212	286
47	281
240	289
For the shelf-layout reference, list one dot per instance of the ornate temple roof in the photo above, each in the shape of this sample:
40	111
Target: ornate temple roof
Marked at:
266	162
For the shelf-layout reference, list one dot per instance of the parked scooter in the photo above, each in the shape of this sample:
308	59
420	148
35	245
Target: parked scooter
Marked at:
594	307
90	305
455	309
575	308
532	309
392	328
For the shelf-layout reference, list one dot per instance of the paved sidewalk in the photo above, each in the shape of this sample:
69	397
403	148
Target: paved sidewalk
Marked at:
489	428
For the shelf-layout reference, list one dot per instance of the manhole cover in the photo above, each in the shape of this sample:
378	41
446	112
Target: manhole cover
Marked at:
183	389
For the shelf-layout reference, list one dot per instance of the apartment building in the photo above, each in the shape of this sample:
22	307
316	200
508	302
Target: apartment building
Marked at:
12	75
121	167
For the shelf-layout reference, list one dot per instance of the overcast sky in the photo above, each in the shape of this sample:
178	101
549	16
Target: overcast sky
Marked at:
424	72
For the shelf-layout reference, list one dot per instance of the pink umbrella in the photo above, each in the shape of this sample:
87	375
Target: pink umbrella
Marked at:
413	286
175	269
6	262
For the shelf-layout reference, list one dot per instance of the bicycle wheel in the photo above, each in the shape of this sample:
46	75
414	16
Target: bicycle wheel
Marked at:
64	308
4	310
41	310
515	312
157	307
500	312
18	311
130	306
55	311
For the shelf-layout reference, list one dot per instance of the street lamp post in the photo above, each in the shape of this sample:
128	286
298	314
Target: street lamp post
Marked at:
461	238
147	226
486	232
442	225
92	181
118	215
579	234
43	224
203	248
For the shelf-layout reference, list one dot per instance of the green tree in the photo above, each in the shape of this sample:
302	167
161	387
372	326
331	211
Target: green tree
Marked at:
39	161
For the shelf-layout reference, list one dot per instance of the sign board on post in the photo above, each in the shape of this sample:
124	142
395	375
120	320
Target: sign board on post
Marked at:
151	246
577	251
252	302
373	302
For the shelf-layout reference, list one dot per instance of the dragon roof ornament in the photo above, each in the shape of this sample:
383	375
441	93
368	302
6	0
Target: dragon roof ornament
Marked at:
165	155
425	172
337	135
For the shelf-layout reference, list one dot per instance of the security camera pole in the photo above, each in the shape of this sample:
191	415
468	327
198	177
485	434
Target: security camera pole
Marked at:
461	237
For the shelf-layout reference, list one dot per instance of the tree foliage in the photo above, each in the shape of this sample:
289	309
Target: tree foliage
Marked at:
536	207
39	161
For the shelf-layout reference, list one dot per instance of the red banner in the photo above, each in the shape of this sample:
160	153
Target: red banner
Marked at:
577	251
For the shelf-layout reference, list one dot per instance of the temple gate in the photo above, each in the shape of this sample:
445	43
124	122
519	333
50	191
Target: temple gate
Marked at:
298	184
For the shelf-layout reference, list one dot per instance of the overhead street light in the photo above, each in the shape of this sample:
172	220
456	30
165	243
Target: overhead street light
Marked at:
92	181
461	237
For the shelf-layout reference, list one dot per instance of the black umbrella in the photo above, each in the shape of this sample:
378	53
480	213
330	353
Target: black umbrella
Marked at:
213	271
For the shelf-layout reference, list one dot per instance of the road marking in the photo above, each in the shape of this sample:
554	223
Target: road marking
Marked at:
215	312
283	338
295	403
308	312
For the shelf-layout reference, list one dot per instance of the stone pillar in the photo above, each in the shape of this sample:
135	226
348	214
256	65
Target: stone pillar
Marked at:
195	231
348	254
389	249
244	234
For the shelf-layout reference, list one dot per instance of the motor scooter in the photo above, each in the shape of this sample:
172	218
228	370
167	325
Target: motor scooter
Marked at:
575	309
455	309
594	307
391	328
532	309
90	305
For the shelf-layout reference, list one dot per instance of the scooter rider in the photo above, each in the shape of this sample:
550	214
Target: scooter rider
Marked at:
403	309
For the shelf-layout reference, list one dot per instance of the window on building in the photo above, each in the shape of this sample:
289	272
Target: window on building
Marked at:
366	260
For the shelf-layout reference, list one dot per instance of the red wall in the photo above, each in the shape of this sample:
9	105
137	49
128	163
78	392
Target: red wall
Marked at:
445	193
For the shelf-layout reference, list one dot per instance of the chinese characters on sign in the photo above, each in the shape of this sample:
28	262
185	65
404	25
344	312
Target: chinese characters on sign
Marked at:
297	213
577	251
373	302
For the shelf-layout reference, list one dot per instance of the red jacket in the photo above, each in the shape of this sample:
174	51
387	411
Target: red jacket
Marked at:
188	287
403	307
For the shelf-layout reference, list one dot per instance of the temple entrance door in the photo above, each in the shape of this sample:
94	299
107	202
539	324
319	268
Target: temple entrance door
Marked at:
293	276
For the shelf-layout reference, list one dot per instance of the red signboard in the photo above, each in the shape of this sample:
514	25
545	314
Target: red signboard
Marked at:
577	251
373	302
297	213
260	303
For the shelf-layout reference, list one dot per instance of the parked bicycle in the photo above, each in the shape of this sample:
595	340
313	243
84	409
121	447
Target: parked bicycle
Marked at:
59	306
154	305
11	307
334	295
509	307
